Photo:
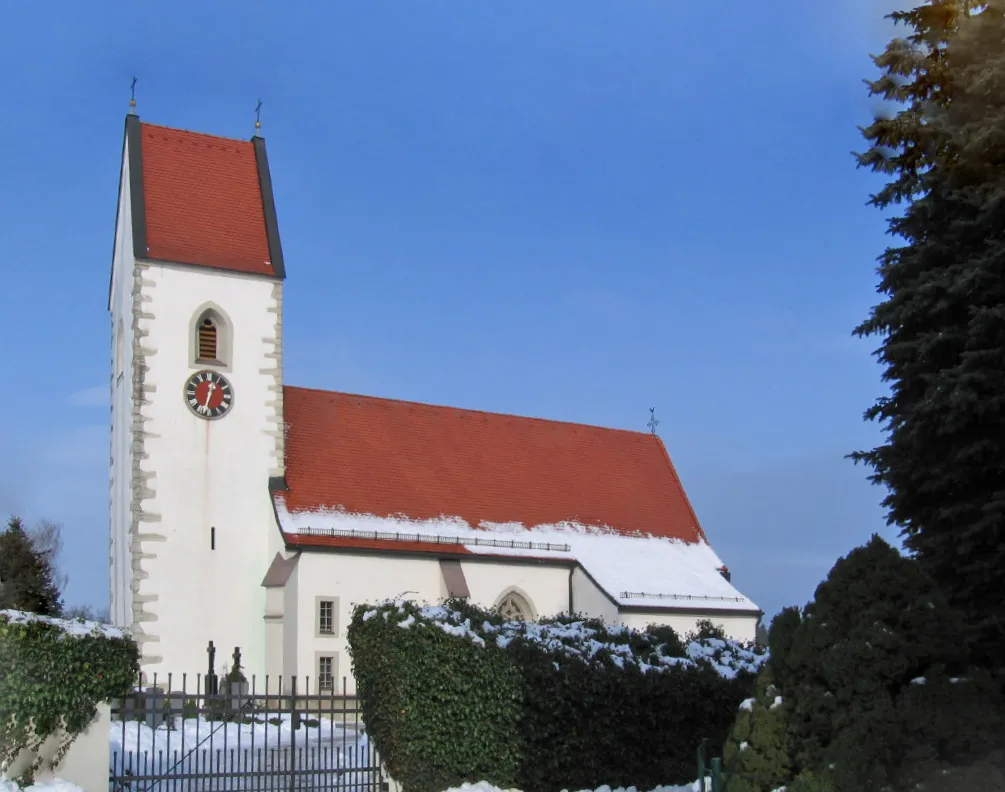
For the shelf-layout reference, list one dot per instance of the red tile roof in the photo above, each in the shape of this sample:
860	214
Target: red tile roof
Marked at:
203	201
386	457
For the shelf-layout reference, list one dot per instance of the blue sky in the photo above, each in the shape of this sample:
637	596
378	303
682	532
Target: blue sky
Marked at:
573	210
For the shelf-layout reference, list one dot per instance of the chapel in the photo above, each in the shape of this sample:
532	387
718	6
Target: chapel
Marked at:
255	513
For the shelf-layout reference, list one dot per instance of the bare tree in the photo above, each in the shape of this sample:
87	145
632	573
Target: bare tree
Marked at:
47	540
87	613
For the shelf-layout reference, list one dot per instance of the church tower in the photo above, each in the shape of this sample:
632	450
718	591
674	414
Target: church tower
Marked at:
196	389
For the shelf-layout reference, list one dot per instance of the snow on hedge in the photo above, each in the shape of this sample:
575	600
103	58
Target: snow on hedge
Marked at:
73	627
584	639
484	786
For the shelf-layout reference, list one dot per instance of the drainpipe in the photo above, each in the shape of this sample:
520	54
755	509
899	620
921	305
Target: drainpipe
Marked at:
571	571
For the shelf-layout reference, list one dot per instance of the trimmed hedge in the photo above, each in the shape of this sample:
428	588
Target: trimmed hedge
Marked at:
453	693
53	672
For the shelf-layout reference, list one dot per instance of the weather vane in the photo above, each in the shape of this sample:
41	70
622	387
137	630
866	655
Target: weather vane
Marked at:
132	97
258	117
653	421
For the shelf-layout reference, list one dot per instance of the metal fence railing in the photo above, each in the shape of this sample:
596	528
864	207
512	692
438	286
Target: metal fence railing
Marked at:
283	734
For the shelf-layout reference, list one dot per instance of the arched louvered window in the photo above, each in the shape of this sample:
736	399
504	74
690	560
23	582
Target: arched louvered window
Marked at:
208	340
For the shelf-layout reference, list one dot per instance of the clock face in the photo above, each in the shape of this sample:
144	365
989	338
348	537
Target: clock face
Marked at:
208	394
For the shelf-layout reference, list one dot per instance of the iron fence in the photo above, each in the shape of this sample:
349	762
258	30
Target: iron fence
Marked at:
237	735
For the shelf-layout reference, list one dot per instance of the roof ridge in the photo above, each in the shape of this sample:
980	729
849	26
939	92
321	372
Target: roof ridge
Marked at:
472	410
195	132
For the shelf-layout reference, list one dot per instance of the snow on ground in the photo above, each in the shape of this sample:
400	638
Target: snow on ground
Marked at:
620	564
482	786
212	748
56	785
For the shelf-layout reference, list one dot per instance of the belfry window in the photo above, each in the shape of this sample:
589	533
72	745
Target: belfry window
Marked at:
211	337
208	340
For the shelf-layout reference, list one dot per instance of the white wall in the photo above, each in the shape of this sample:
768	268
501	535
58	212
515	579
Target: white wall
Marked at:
588	599
200	473
120	458
367	578
739	627
545	587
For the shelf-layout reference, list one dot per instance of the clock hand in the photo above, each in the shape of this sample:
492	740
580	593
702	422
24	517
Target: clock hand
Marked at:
209	394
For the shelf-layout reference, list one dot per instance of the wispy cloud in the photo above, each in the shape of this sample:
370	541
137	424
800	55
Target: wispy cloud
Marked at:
89	397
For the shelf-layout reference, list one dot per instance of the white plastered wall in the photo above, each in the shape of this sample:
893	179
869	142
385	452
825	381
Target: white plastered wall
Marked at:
369	578
121	372
198	474
740	627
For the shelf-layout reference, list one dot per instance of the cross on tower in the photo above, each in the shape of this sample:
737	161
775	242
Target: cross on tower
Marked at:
653	421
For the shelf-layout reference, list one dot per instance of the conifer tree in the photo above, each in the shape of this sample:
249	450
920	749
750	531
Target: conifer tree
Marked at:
26	574
878	693
943	347
756	755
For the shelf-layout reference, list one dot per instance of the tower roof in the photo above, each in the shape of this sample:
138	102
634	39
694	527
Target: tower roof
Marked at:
202	200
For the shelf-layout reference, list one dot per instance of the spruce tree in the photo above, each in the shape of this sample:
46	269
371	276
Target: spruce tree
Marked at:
941	323
27	575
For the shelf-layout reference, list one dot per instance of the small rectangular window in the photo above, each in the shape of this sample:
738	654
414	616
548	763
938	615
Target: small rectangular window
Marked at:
326	672
212	538
326	617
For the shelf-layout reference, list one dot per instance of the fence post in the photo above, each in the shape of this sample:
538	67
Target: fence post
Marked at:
294	723
717	774
701	763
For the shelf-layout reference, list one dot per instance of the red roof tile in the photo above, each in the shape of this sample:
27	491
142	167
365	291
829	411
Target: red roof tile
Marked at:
203	201
386	457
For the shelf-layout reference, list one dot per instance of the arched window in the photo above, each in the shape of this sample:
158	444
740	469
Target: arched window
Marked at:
211	337
513	607
208	340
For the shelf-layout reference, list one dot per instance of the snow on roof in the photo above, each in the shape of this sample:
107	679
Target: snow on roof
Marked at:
636	571
74	627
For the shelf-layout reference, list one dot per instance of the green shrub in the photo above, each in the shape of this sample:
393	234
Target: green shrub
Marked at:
452	694
55	670
875	671
440	709
756	756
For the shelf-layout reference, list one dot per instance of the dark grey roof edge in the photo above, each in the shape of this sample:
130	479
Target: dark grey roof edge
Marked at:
130	143
269	207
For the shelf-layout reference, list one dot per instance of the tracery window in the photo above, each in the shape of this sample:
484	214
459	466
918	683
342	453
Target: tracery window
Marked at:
513	607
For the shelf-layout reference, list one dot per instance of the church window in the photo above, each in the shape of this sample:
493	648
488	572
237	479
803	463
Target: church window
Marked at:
207	339
211	337
326	617
513	607
212	537
326	672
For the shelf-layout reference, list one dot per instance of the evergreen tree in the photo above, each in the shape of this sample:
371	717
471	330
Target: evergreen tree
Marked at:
877	689
943	345
26	574
756	755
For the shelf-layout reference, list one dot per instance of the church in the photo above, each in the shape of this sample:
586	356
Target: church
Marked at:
255	514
